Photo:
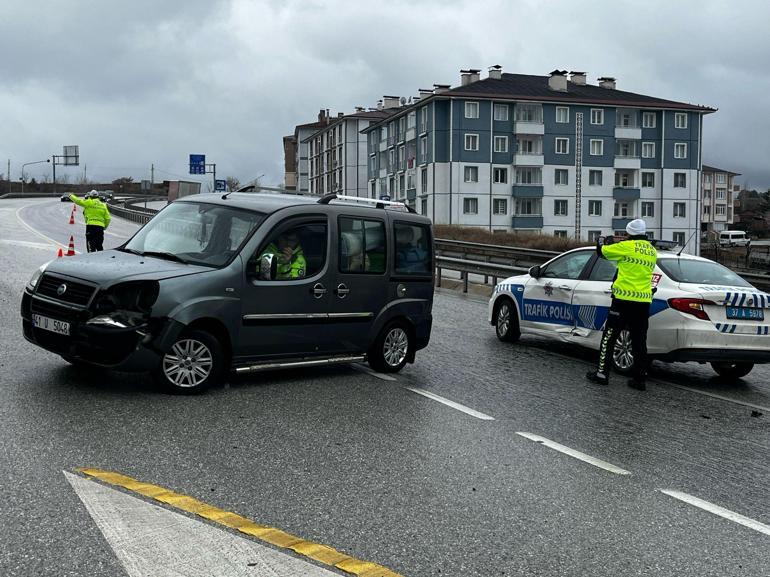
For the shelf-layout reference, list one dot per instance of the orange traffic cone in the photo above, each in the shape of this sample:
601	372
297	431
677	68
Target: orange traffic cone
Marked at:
61	253
72	218
71	248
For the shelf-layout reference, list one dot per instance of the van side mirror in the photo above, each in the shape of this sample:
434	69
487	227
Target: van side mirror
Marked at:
268	266
534	272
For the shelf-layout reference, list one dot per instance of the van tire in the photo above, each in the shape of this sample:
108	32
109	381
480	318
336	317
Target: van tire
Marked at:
392	348
506	320
732	370
193	363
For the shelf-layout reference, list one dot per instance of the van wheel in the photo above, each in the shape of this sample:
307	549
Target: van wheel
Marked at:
506	321
392	348
732	370
622	355
194	363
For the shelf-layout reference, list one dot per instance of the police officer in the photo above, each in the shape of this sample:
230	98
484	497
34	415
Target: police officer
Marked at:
97	217
291	258
631	298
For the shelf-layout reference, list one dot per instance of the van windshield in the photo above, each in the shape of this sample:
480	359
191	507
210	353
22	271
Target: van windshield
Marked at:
195	233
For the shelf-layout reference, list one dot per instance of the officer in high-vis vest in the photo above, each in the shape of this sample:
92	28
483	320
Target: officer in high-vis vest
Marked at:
97	217
631	298
288	252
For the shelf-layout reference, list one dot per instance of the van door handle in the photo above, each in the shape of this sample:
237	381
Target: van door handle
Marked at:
341	291
319	290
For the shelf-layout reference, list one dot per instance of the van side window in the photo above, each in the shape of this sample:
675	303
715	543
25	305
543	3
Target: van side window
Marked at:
412	249
299	250
361	245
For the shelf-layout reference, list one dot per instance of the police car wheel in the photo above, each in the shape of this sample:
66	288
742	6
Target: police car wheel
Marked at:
623	356
506	321
392	348
732	370
192	364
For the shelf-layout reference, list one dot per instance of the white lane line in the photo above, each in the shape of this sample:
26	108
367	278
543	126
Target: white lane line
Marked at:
25	243
34	231
364	369
448	403
576	454
717	510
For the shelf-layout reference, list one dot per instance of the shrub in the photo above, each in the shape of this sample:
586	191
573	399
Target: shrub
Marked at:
516	239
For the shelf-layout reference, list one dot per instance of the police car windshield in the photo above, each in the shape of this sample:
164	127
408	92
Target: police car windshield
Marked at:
700	272
196	233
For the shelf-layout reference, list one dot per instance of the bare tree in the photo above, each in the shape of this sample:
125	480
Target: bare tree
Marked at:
233	183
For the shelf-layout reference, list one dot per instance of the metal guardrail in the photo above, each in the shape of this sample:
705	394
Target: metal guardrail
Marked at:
466	267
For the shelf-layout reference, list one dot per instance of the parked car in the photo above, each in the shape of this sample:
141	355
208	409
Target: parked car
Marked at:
733	238
202	289
701	311
65	198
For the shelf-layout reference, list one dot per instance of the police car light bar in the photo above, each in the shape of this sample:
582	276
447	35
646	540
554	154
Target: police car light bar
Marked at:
381	203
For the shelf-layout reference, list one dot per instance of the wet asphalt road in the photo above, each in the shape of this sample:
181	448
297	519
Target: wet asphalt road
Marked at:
369	467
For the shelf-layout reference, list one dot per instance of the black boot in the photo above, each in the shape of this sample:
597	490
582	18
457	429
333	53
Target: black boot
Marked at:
597	378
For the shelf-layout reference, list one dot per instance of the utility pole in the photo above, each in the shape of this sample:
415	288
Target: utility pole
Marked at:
9	175
152	176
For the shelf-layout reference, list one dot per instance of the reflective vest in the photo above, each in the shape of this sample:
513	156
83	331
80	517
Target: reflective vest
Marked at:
296	268
95	212
636	260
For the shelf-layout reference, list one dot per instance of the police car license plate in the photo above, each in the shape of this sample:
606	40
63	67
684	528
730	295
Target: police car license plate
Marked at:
745	313
49	324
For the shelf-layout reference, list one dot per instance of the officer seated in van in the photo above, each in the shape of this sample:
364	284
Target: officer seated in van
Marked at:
286	249
410	256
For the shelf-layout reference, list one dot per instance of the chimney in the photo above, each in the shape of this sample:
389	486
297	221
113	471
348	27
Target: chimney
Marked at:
379	105
322	115
340	114
390	102
578	78
438	88
360	109
469	76
607	82
425	92
496	72
557	80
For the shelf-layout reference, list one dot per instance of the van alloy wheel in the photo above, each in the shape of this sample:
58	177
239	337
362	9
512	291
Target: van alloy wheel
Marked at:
395	346
189	363
392	348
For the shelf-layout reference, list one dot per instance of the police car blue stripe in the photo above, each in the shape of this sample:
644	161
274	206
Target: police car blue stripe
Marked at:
718	326
732	330
735	299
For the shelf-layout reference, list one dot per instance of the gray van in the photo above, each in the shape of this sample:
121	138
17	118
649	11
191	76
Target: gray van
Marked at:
243	282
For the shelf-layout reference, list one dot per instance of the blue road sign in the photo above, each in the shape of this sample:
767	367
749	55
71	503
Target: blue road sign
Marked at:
220	184
197	164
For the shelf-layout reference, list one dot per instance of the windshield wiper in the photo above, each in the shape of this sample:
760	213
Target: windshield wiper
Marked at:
131	250
165	255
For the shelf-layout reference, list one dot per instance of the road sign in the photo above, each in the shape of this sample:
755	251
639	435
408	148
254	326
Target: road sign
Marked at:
220	185
146	186
197	164
71	155
384	197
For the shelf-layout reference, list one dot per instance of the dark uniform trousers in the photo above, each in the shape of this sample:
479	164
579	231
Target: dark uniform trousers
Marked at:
633	316
94	237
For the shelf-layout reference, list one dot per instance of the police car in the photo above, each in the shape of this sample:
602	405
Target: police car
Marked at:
701	311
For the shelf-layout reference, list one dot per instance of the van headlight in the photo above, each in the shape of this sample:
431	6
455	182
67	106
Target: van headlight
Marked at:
36	276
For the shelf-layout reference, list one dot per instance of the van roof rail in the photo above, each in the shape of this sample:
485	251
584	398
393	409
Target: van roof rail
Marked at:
327	198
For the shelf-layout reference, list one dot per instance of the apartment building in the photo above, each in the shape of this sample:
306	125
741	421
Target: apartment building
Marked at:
718	199
296	153
550	154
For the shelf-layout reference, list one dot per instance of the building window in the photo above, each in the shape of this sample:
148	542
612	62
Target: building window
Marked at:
597	116
401	128
560	233
680	120
721	178
500	206
471	110
680	210
648	150
679	238
721	193
529	175
471	142
470	206
562	114
624	179
501	144
648	120
471	174
424	119
621	210
560	207
648	180
680	150
424	149
595	177
500	175
424	180
593	235
680	180
562	146
528	207
424	206
401	157
529	113
501	112
529	145
594	208
597	147
706	179
648	209
561	176
719	209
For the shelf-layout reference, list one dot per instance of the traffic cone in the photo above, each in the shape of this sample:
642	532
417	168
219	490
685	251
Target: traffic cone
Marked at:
71	248
72	218
61	253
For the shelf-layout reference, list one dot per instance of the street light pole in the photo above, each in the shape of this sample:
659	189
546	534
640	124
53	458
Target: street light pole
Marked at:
22	171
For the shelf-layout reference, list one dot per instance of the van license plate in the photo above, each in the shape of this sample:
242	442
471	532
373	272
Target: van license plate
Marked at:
48	324
745	313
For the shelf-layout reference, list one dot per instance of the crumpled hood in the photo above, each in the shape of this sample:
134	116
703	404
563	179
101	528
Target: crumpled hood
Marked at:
112	266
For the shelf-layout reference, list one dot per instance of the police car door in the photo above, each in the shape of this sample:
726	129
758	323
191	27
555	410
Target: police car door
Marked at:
547	302
591	301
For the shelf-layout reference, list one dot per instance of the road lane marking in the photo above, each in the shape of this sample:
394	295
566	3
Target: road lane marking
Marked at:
364	369
35	231
448	403
573	453
713	395
315	551
25	243
152	540
717	510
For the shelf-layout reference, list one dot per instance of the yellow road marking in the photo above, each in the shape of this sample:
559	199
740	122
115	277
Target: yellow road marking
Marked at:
315	551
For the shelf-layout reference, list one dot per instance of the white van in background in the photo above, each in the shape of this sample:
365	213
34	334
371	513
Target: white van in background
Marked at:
733	238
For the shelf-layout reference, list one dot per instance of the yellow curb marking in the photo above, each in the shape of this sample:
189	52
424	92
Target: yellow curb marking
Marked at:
315	551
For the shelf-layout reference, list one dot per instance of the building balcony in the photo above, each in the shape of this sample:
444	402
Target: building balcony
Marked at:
625	194
527	191
628	132
524	127
527	159
628	162
620	223
528	221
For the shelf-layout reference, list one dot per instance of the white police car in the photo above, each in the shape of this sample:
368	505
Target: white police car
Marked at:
701	311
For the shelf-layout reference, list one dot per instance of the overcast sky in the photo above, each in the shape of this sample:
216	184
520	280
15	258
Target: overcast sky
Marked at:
151	81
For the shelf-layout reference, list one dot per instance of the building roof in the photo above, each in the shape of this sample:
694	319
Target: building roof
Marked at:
375	115
707	168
